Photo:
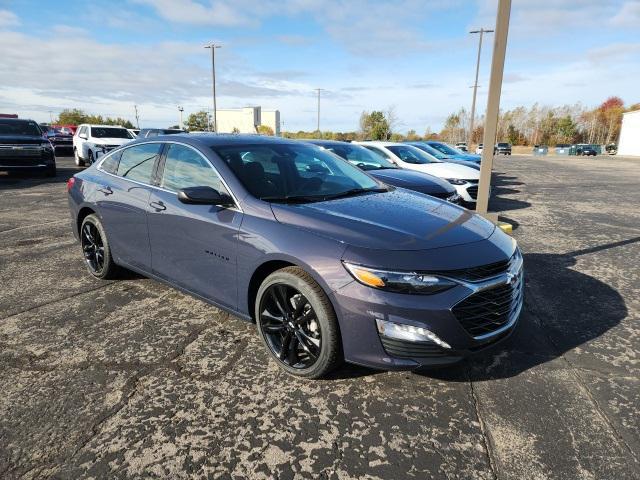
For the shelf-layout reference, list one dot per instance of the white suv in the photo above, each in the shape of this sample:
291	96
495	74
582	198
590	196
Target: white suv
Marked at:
92	141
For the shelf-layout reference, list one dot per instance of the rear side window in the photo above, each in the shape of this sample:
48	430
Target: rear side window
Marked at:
184	167
110	164
136	163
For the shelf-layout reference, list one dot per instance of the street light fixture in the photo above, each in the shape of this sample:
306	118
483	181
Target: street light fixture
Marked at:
482	31
213	47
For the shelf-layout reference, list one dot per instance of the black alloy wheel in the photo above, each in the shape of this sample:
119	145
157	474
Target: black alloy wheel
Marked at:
297	323
290	326
92	247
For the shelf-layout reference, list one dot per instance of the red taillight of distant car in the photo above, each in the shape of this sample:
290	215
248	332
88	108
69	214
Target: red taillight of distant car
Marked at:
70	183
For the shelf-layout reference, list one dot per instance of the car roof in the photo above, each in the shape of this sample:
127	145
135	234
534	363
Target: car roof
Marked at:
101	126
317	141
220	139
384	144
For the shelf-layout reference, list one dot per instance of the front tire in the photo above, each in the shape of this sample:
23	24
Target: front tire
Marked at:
91	160
96	249
50	171
79	161
297	324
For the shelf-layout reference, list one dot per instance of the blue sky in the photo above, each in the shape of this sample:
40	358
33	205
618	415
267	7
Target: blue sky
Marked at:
413	56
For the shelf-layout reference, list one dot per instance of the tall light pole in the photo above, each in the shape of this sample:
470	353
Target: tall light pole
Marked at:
213	47
319	90
482	31
180	109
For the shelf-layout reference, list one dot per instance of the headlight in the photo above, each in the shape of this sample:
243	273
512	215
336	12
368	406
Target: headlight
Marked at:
45	144
399	282
456	181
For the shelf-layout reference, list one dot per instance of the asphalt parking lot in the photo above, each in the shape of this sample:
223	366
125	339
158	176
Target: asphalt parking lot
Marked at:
133	379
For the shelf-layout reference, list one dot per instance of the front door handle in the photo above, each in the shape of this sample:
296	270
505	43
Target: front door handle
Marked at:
106	190
158	206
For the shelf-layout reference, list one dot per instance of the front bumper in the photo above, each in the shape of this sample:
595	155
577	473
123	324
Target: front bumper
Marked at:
442	314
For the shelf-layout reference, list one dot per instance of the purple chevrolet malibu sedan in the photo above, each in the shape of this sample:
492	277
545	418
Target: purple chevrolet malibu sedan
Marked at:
330	263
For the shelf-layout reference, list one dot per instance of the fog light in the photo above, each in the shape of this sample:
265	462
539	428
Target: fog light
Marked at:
401	331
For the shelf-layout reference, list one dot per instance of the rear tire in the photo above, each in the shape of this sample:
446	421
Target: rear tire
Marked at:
79	161
96	249
305	316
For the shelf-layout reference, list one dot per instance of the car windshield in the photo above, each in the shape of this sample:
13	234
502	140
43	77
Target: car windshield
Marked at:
172	132
409	154
444	148
503	144
110	132
360	157
19	127
294	173
430	150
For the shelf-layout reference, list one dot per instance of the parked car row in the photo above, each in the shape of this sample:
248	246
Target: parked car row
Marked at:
311	242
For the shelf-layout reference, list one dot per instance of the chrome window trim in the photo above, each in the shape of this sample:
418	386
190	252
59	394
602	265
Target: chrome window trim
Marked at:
157	187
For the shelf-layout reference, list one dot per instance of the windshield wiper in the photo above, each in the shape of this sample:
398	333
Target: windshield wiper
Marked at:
293	199
355	191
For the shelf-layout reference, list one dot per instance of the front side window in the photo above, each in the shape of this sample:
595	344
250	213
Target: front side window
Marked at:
110	132
184	167
280	172
136	163
431	151
378	152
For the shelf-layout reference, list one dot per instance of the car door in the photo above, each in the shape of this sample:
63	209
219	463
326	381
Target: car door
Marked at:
122	199
193	246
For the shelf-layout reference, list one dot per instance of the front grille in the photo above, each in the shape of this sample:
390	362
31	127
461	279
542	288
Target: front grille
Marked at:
24	156
473	191
476	274
488	310
403	349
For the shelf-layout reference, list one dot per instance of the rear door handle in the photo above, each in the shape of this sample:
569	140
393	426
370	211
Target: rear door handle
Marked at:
106	190
158	206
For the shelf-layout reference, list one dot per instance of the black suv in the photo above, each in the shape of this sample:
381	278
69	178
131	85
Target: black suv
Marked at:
23	147
502	148
154	132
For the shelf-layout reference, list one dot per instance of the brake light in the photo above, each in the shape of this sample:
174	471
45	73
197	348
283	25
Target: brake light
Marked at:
70	183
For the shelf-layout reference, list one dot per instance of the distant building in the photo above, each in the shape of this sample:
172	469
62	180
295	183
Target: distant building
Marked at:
629	143
247	120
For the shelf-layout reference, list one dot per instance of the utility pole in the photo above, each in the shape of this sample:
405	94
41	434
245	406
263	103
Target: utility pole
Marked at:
51	116
482	31
135	107
319	90
180	109
493	107
213	47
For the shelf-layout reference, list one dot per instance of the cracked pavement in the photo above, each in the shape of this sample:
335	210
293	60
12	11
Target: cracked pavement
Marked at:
132	379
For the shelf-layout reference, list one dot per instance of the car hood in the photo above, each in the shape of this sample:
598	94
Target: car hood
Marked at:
422	182
395	220
21	139
466	163
448	170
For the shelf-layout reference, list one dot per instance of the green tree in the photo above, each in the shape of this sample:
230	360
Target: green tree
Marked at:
374	126
566	130
265	130
198	121
512	135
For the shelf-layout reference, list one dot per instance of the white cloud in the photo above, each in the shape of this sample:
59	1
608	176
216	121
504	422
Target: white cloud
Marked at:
628	16
8	19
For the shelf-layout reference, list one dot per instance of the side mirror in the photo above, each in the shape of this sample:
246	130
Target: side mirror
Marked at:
83	135
204	196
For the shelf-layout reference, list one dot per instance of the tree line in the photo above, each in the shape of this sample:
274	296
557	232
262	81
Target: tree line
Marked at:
75	116
545	125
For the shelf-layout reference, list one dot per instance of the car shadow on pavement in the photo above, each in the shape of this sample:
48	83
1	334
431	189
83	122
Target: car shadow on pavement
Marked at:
563	310
503	185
